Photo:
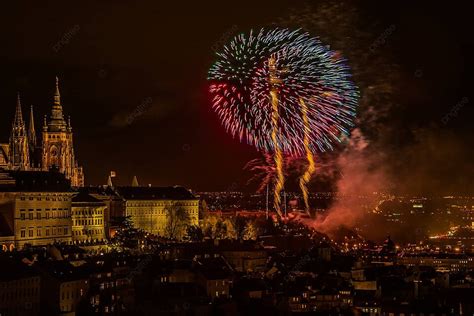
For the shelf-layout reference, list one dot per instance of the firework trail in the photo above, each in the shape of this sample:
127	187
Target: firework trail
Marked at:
265	171
306	177
280	180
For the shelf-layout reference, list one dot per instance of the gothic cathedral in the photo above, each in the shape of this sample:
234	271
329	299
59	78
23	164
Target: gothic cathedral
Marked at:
57	150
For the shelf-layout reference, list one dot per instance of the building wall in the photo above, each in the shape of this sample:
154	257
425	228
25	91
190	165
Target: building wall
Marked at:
246	260
42	218
88	222
20	297
7	206
115	207
451	264
215	288
71	293
150	215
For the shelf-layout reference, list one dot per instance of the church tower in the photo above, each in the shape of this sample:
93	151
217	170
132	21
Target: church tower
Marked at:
18	156
31	131
58	150
35	155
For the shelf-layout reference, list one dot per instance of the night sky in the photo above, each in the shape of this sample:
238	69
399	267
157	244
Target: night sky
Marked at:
114	57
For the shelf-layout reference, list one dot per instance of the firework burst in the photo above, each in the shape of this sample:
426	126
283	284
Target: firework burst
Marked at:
307	70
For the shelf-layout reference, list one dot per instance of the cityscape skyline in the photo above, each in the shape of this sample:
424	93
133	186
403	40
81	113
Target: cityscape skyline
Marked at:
113	106
272	157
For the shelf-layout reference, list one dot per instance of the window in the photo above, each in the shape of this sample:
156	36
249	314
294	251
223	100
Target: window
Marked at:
47	231
38	232
38	215
30	215
23	234
22	216
66	231
30	233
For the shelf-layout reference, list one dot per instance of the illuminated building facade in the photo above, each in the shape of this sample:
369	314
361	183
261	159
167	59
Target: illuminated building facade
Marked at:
149	207
87	215
35	207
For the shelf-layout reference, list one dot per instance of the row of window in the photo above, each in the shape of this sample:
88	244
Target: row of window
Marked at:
21	283
65	295
55	231
87	232
47	215
87	212
46	209
60	136
17	293
143	204
138	212
94	221
23	198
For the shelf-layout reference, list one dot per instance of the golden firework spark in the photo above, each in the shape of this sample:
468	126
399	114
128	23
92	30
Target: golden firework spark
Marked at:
306	177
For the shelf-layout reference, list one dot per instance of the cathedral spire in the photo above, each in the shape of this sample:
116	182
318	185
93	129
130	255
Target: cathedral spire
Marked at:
57	95
45	123
18	121
57	122
135	181
18	147
31	130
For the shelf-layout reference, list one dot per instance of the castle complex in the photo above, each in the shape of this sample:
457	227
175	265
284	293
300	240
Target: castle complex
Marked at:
25	152
43	199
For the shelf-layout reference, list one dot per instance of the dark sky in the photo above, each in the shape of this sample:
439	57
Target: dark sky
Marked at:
118	57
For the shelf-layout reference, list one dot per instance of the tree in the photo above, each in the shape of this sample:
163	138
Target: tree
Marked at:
195	233
209	226
240	223
216	227
251	231
177	220
126	235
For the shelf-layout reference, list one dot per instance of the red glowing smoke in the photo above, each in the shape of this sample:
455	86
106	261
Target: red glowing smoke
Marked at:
363	177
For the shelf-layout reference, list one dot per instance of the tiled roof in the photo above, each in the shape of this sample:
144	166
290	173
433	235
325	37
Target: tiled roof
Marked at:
35	181
155	193
84	197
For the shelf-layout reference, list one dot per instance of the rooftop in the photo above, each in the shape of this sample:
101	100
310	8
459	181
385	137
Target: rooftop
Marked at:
155	193
84	197
34	181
